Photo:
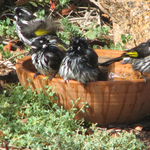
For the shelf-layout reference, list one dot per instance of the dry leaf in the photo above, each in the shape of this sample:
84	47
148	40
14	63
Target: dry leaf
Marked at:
1	56
21	2
66	11
138	128
23	121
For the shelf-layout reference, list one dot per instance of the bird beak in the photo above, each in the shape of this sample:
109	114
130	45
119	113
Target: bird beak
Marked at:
33	47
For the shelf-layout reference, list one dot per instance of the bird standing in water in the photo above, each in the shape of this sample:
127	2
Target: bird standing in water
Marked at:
46	57
80	63
138	57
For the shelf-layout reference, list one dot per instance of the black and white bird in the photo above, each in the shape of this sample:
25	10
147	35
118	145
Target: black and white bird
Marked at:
28	28
46	57
80	63
138	57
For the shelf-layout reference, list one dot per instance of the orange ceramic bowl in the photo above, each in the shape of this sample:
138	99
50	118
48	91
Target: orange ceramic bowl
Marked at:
124	99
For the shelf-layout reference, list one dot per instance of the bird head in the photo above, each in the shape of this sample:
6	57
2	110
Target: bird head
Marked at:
38	44
22	13
79	43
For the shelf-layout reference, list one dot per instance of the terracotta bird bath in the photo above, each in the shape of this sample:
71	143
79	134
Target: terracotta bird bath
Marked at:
123	99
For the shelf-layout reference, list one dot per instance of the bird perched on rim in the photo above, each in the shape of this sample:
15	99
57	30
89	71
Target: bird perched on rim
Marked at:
27	27
138	57
45	56
80	63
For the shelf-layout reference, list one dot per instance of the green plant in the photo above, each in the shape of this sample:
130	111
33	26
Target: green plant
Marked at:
39	2
114	47
125	38
6	54
40	14
69	30
119	46
96	32
7	28
60	4
31	120
1	47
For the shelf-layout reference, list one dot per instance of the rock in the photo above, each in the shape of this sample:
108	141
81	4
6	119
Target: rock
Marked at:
130	17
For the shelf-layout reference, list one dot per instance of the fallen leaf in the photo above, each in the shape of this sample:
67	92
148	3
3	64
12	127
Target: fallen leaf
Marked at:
1	134
21	2
138	128
115	135
1	56
24	121
8	64
66	11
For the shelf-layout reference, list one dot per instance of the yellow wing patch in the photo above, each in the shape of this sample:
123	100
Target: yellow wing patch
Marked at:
40	32
132	54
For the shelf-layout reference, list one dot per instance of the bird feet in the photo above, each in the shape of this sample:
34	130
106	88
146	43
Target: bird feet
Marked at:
37	73
145	78
66	81
52	76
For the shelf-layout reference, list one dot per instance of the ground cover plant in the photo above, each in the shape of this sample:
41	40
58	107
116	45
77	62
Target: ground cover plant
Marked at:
31	120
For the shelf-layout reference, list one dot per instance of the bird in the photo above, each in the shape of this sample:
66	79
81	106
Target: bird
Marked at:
80	62
28	27
138	57
45	56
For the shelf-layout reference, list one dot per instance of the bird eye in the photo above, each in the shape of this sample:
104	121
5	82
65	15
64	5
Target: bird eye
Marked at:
20	14
79	48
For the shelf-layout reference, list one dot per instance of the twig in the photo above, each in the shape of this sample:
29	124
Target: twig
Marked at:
99	17
85	7
87	18
101	7
76	19
81	18
13	57
60	15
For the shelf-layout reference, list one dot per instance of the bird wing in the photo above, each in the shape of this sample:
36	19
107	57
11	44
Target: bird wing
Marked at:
91	57
29	28
39	27
54	56
34	28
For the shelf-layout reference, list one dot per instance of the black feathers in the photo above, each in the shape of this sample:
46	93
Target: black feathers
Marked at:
22	13
138	57
45	57
140	51
80	62
28	27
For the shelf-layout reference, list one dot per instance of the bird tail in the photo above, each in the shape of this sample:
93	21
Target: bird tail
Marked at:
107	63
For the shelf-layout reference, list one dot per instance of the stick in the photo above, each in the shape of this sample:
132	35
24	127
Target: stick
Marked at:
12	57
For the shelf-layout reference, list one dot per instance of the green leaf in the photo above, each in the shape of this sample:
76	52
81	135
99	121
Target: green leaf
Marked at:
33	3
90	35
7	21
